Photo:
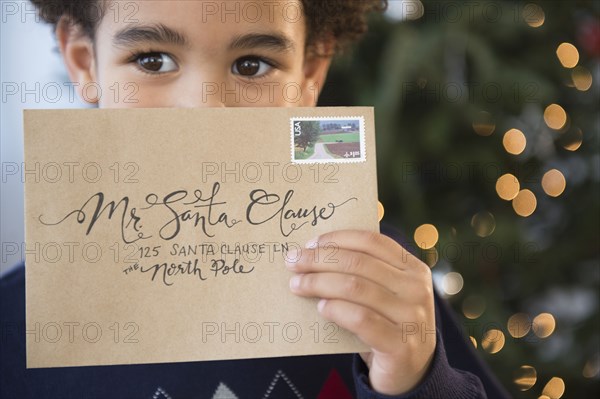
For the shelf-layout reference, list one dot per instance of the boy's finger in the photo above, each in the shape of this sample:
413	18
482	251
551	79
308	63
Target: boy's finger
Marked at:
368	242
370	327
355	263
347	262
349	288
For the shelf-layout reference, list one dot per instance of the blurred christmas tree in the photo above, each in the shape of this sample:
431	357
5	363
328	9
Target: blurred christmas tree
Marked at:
488	158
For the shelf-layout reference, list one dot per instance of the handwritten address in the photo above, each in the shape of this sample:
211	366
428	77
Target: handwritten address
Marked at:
205	212
202	210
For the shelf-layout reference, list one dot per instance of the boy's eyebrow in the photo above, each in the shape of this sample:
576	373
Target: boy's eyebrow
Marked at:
158	33
275	41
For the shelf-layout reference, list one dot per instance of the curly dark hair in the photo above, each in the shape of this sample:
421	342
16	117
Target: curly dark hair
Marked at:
345	21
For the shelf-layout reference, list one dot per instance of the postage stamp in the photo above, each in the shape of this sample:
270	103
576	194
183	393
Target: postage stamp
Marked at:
328	139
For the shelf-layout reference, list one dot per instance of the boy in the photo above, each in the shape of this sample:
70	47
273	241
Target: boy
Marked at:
196	54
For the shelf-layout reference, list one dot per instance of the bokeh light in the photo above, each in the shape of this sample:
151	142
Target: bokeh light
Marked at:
543	325
555	388
533	15
426	236
555	116
582	78
430	257
524	203
507	187
567	55
452	283
525	377
380	210
484	124
553	182
483	223
493	341
473	306
571	140
592	367
473	341
514	141
405	10
519	325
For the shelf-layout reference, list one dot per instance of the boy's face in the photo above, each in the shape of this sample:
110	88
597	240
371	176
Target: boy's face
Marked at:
196	54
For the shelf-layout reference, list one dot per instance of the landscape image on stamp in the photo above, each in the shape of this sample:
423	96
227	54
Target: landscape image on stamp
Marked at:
327	139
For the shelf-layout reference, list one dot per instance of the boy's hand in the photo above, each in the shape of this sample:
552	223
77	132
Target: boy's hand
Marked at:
377	290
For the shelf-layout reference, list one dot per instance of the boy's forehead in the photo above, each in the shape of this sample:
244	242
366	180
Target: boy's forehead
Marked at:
209	21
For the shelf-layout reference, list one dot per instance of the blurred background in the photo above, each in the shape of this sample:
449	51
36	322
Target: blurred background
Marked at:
488	131
488	126
32	75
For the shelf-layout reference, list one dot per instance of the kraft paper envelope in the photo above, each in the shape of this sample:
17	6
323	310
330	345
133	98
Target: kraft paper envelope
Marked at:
160	235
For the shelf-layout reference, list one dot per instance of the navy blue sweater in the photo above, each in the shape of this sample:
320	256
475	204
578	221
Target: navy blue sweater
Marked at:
456	370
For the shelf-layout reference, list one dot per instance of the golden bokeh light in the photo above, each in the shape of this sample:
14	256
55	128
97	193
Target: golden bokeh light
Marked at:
452	283
483	223
582	78
555	388
524	203
553	182
543	325
525	377
426	236
473	341
519	325
473	306
567	55
555	116
430	257
533	15
380	210
507	187
571	140
484	124
493	341
592	368
514	141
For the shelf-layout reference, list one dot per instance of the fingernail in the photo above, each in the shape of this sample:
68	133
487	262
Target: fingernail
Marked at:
295	282
312	243
321	304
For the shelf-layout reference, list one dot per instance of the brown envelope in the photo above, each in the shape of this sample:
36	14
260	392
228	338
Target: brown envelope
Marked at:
160	235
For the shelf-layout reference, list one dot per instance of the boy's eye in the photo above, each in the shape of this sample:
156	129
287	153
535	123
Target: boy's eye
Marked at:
251	67
156	62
